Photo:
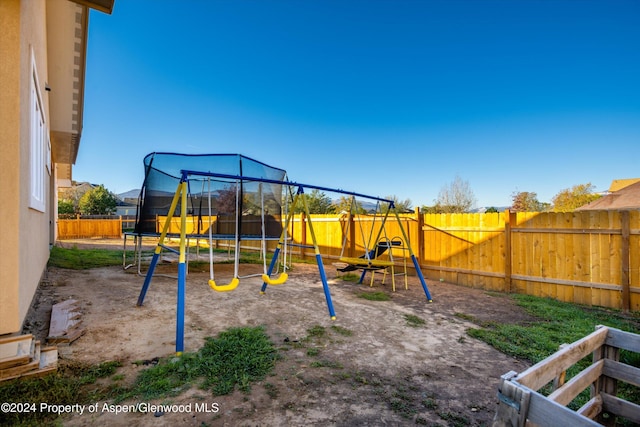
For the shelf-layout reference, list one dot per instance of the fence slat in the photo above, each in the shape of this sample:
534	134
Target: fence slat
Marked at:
545	412
621	408
624	340
543	372
571	389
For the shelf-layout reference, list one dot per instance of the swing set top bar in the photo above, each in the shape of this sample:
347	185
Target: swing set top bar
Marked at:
186	173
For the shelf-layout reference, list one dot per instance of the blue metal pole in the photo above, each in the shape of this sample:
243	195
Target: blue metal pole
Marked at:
147	279
276	253
180	310
182	271
421	277
186	173
325	286
271	267
158	250
362	277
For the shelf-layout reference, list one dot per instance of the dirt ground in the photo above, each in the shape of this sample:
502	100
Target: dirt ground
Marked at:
387	372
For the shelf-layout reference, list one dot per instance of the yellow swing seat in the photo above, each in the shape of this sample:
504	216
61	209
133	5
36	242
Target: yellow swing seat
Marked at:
276	281
366	263
224	288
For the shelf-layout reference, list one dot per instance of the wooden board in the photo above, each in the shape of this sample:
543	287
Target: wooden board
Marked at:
32	363
546	370
65	323
42	361
48	358
15	351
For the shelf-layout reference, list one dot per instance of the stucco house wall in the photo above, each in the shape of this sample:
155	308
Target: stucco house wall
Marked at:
28	228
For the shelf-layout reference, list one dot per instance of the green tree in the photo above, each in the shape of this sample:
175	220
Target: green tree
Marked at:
98	201
318	203
572	198
491	209
344	204
456	197
400	206
73	195
66	207
437	209
225	203
526	201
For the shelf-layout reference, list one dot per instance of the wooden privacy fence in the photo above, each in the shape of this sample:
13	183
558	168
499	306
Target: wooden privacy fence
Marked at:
590	257
520	403
82	227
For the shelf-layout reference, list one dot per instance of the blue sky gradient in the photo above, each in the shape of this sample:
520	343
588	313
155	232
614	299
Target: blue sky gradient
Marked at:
377	97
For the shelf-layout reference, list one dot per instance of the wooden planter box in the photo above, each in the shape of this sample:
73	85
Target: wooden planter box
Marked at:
520	403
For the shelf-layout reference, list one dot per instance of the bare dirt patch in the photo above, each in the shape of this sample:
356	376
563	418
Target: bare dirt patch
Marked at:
371	366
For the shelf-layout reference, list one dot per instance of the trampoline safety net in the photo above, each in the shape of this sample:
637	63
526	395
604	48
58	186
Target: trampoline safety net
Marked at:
228	199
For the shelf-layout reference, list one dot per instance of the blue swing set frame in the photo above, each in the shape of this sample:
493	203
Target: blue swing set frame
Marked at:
180	196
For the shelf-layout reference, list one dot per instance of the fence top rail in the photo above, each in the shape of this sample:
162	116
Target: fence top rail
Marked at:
623	340
546	370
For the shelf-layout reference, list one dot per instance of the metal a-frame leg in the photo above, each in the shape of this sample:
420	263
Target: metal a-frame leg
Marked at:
416	264
181	194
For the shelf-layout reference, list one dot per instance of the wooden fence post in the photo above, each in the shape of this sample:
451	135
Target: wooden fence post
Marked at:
510	219
420	235
624	255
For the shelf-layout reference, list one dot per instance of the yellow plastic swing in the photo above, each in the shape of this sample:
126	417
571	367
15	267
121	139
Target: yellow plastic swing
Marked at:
235	281
224	288
277	281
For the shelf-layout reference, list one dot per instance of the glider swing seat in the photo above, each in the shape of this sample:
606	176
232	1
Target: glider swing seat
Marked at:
372	260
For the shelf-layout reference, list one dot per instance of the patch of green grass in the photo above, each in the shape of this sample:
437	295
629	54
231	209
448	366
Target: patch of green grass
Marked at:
402	407
316	331
272	390
103	370
313	351
236	358
465	316
429	403
374	296
82	259
66	387
454	420
402	404
558	323
414	321
342	331
350	277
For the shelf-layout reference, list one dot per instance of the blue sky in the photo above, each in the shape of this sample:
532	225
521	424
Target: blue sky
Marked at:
377	97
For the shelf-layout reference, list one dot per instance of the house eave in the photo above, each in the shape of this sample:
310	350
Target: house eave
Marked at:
67	24
67	27
105	6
